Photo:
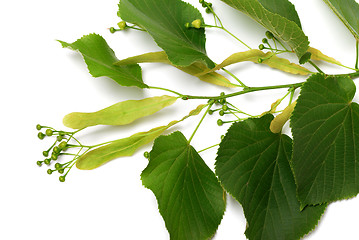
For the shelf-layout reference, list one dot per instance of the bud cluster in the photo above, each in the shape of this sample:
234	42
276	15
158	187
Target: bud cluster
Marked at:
57	149
266	45
226	108
207	6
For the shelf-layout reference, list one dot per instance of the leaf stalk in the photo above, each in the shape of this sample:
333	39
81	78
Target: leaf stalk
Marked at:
200	122
357	56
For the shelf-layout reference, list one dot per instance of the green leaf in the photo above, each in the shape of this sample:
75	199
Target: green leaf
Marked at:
99	58
190	198
325	126
268	58
284	29
121	113
305	58
126	146
165	21
253	166
282	7
348	13
194	69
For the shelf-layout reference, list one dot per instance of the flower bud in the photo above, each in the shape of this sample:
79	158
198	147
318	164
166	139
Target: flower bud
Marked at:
49	132
58	166
56	149
54	156
219	122
269	35
62	178
62	145
40	135
112	30
122	25
197	23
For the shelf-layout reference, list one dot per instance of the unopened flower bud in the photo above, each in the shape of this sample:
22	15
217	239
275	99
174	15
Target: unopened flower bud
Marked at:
122	25
197	23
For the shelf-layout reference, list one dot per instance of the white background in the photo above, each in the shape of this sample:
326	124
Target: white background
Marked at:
41	82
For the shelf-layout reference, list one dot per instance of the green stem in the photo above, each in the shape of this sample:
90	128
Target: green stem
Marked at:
136	28
215	16
200	122
341	65
351	75
235	77
357	56
209	148
246	90
281	100
168	90
291	97
234	114
236	38
316	67
224	29
280	42
255	89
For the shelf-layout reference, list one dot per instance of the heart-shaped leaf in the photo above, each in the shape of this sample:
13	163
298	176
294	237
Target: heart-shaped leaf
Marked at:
99	58
253	166
165	21
190	198
284	29
348	13
325	126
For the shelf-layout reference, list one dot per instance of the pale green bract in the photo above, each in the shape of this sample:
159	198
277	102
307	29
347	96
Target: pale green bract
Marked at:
190	197
269	59
126	146
120	113
278	122
318	55
165	21
286	30
194	69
